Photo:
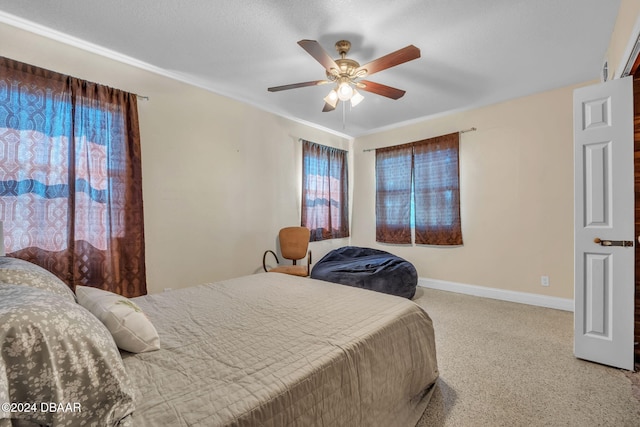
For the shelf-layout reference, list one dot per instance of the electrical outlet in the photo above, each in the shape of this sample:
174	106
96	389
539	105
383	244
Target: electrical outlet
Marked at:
544	280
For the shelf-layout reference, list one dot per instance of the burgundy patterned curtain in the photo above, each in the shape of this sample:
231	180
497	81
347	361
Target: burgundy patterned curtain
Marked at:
437	191
70	178
417	186
325	191
394	167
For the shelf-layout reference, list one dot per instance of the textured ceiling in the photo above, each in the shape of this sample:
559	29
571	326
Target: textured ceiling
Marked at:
474	52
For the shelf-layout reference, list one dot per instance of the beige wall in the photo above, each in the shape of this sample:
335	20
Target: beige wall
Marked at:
218	185
220	178
516	178
516	187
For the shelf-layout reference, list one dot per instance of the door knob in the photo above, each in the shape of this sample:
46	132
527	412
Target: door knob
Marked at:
624	243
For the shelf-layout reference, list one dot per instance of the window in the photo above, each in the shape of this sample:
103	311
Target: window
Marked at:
70	178
417	187
325	199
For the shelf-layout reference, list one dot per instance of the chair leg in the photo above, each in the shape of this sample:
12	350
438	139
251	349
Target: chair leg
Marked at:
264	259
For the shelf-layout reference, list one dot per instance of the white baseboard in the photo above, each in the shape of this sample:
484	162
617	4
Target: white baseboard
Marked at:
565	304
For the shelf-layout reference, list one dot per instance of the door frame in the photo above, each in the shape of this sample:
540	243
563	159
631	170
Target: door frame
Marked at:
631	57
630	66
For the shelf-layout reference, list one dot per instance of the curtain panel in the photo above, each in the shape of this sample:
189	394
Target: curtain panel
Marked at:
325	191
437	191
417	186
394	174
71	178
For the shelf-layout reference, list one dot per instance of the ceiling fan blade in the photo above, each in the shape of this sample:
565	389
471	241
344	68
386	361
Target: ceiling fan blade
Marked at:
380	89
314	49
398	57
297	85
328	107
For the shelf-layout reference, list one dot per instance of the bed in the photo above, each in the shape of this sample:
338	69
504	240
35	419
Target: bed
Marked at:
368	268
261	350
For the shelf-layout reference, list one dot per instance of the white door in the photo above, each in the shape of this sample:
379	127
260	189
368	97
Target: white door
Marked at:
604	223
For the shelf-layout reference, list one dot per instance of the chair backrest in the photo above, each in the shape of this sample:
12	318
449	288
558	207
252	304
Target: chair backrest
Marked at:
294	242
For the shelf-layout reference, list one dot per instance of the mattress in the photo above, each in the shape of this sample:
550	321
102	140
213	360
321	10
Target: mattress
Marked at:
277	350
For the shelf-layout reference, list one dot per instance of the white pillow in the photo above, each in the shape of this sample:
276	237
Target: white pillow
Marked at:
131	329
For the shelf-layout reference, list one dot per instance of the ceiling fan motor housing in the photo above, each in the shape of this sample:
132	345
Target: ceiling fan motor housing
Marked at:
347	66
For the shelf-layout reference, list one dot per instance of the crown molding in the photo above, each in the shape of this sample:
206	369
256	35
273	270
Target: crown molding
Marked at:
76	42
58	36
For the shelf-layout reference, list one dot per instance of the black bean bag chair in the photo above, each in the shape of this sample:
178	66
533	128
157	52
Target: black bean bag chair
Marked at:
369	269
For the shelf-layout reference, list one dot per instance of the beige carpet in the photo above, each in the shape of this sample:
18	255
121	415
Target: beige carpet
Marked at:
508	364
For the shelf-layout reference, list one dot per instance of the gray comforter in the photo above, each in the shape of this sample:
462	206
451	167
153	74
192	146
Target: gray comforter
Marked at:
277	350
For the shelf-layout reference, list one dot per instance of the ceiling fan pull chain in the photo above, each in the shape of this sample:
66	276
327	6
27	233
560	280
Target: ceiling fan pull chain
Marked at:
344	115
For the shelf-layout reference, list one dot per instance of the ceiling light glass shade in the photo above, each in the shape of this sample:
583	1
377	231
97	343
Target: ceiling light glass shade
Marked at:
345	91
332	98
356	98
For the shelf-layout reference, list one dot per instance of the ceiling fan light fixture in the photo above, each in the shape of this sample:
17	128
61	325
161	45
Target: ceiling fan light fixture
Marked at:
356	98
332	98
345	91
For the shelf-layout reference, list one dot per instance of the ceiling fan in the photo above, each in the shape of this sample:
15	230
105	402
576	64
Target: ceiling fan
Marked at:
347	73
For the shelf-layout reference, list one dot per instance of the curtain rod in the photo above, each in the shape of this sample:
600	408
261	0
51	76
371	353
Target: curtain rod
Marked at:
146	98
462	131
